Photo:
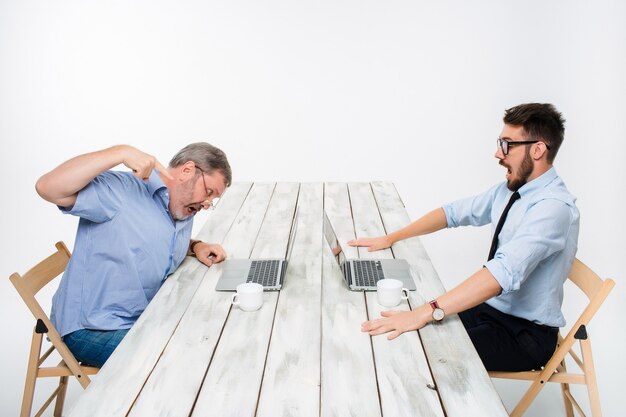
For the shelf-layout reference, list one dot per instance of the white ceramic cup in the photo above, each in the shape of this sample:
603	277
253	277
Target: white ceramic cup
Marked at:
390	292
249	296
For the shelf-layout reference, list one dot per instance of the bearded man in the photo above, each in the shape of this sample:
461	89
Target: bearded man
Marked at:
511	307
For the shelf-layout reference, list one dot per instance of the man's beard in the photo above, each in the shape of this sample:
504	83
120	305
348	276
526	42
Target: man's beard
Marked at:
525	169
186	193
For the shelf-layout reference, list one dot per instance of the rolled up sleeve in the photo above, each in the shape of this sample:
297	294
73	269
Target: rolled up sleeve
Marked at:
542	233
472	211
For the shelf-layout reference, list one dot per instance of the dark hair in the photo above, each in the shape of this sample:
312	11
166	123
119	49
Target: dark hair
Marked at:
540	122
206	157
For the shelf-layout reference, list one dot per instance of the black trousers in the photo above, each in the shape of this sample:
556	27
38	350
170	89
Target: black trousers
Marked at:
508	343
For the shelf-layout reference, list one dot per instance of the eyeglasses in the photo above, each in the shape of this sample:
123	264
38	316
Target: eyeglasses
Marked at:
209	193
506	144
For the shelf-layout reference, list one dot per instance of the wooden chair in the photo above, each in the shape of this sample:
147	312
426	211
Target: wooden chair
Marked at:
28	286
555	370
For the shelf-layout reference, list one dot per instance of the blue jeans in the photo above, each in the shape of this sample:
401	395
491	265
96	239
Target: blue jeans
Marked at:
93	347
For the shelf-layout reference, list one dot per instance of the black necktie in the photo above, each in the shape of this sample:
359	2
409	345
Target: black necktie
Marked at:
494	243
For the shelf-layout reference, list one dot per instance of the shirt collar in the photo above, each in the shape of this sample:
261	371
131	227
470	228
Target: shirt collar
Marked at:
156	186
538	183
154	183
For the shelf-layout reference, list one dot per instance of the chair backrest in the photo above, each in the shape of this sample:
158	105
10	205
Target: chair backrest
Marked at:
595	288
45	271
29	284
588	281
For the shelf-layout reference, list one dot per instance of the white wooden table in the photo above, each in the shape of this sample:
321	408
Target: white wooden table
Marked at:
302	353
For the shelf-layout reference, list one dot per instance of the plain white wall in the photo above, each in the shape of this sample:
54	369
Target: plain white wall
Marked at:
407	91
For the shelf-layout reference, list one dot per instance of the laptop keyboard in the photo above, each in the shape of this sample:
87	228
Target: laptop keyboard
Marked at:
367	273
264	272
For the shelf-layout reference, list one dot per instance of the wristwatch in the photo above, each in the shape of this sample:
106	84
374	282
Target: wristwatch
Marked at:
191	247
438	313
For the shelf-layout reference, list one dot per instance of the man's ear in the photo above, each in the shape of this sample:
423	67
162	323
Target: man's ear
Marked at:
187	170
539	151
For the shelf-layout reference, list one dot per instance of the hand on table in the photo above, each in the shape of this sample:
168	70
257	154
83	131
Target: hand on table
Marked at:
396	322
209	253
372	243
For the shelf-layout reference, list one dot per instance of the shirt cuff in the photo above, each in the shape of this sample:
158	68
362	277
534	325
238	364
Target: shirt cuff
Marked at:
447	210
502	275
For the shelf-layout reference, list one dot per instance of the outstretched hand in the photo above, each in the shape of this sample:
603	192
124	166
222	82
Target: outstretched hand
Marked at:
393	322
372	243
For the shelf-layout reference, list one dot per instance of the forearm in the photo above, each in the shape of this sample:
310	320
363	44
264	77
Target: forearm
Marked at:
61	185
476	289
430	222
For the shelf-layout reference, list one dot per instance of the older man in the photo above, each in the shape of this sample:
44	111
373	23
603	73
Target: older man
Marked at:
134	231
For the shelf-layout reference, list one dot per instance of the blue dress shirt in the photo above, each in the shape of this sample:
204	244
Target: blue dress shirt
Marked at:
536	247
126	245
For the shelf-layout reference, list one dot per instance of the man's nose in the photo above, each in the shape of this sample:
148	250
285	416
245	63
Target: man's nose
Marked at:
499	153
206	204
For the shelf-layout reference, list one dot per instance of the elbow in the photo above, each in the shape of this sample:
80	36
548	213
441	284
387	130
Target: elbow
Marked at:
497	281
496	289
47	191
41	186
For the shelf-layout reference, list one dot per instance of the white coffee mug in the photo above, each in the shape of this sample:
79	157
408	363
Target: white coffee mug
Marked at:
249	296
390	292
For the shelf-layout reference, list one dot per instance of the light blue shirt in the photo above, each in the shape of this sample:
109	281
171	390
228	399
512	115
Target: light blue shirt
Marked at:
126	245
536	246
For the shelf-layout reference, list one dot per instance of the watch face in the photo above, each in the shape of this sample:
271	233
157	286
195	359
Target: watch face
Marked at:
438	314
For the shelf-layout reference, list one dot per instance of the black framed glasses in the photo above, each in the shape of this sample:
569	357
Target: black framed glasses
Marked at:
506	144
209	193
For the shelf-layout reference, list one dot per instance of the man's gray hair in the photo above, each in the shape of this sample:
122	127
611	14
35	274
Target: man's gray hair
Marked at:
206	157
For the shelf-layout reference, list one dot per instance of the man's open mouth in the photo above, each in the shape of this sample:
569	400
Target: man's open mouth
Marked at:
508	168
191	210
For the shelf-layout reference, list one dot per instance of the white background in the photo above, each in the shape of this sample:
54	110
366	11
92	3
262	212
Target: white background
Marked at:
407	91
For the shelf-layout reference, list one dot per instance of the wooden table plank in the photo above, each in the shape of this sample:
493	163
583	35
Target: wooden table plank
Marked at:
229	205
346	351
232	382
119	381
404	377
291	380
241	239
182	367
463	384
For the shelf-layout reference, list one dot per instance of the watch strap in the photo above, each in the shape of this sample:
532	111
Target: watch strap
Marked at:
438	313
192	246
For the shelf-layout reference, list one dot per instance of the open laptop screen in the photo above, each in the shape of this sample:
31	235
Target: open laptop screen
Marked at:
333	242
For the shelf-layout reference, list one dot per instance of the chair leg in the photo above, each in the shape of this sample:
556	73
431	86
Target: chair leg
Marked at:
31	375
569	409
58	407
590	378
536	386
524	403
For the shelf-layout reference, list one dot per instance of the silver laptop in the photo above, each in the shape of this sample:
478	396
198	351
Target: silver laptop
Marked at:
362	274
267	272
